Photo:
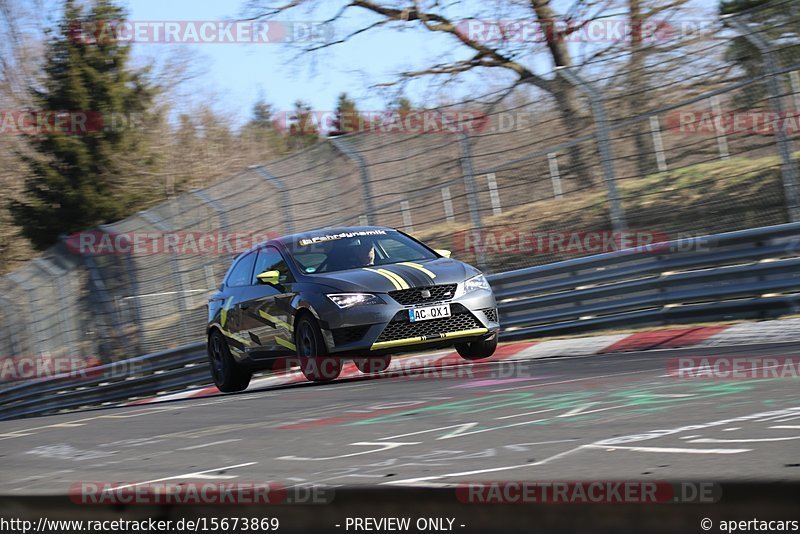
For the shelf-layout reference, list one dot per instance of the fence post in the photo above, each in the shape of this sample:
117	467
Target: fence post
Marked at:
721	136
13	329
494	194
794	80
41	345
342	146
56	276
14	321
408	224
472	194
222	216
658	144
447	201
555	175
181	293
280	185
133	286
788	167
603	144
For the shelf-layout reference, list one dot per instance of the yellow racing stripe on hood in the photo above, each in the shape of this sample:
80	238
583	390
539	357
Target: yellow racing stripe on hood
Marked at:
419	268
379	271
400	279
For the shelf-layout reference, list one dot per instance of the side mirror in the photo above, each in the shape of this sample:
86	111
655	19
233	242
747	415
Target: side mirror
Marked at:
442	252
269	277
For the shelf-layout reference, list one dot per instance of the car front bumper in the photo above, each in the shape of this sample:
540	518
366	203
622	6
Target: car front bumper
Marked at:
385	328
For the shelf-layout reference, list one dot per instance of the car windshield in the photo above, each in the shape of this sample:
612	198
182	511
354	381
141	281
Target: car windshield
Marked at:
326	253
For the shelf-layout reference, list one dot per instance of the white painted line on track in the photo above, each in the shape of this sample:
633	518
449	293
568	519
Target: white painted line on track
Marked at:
383	447
414	481
610	447
787	419
676	450
461	427
197	474
744	440
526	413
193	447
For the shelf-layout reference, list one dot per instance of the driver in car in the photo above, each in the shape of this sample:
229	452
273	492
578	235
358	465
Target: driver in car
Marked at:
364	254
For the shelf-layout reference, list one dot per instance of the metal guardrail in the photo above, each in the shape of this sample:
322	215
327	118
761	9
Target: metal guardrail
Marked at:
745	274
169	370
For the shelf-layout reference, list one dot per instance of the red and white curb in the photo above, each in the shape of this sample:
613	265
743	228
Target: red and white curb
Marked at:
668	338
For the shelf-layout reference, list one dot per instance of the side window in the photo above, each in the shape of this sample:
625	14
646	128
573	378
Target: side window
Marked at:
269	259
242	272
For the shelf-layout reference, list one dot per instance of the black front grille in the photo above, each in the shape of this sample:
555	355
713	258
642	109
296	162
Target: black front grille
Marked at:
416	295
491	314
405	329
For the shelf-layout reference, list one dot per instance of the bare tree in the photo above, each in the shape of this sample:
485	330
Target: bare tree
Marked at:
505	53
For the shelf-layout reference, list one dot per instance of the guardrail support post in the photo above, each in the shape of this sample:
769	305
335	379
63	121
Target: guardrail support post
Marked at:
788	166
342	146
280	185
603	144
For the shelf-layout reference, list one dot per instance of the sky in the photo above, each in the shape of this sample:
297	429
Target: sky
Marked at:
234	76
237	75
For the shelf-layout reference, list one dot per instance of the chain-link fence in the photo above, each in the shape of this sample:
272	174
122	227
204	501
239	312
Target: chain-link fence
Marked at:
690	135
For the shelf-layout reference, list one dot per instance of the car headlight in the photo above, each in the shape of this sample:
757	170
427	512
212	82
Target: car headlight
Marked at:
348	300
476	282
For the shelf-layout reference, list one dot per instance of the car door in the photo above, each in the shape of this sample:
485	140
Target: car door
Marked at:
234	291
266	314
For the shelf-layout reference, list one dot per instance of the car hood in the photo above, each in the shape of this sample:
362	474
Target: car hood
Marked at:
385	278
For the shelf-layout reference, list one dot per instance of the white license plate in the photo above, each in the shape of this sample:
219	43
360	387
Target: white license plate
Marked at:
429	312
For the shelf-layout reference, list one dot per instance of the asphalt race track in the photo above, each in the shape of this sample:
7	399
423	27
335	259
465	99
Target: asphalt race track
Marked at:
571	418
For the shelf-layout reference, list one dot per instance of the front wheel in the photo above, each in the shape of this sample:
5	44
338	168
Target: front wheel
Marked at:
315	364
477	350
227	375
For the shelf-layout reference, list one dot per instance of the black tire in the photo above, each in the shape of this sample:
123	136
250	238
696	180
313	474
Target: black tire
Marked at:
477	350
227	375
315	364
373	364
